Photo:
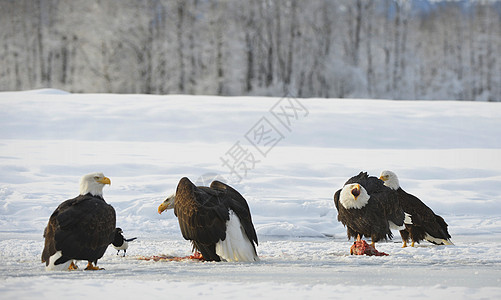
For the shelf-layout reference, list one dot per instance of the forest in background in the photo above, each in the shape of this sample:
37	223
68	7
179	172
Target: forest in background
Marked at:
389	49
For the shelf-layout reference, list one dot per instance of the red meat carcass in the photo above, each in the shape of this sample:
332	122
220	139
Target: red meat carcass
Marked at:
360	247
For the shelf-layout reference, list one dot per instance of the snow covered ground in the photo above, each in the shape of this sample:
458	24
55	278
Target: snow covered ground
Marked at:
286	156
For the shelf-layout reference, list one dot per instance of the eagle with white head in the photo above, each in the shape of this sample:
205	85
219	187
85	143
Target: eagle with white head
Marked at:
80	228
426	225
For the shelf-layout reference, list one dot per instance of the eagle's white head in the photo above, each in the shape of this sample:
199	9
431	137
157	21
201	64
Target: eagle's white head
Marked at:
390	179
168	203
353	196
93	183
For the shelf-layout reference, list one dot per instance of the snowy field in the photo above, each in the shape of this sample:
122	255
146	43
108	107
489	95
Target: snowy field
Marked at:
286	156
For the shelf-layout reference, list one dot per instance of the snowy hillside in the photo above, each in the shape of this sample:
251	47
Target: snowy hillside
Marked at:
286	156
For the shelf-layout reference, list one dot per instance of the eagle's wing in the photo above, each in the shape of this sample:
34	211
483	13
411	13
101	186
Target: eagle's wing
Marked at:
336	198
201	214
441	229
424	216
236	202
390	206
371	184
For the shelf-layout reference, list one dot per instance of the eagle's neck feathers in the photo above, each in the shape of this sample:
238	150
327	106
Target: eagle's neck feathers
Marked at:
93	189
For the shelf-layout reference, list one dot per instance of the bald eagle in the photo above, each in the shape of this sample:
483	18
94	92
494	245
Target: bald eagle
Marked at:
426	225
216	219
80	228
368	208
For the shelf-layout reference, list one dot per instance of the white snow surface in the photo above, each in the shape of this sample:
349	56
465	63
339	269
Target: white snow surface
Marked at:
446	153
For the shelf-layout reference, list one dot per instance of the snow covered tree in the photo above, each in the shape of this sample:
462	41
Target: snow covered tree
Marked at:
343	48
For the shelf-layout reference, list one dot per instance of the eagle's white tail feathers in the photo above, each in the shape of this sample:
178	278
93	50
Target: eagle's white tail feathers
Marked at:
448	242
408	218
236	246
437	241
61	267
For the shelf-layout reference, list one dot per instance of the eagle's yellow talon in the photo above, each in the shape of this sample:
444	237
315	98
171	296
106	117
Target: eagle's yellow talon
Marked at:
72	266
92	267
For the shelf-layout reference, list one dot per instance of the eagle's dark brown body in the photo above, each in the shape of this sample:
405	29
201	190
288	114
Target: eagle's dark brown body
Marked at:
81	228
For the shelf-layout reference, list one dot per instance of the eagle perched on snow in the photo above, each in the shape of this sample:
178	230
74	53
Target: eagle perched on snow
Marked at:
216	219
80	228
368	208
426	225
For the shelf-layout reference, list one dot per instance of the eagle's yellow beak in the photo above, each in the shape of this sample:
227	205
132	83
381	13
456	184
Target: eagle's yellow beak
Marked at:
104	180
163	206
167	204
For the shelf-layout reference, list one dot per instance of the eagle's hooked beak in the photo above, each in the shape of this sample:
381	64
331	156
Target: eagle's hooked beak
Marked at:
355	191
167	204
104	180
383	177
